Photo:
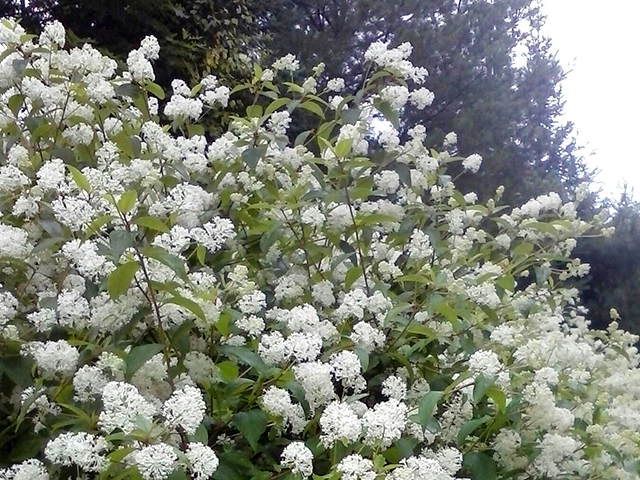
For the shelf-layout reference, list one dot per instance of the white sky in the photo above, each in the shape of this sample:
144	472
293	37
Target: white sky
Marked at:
598	42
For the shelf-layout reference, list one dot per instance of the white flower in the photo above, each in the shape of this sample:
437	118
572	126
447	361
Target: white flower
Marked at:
485	362
251	324
82	449
394	387
183	107
395	95
31	469
450	139
185	408
420	246
53	33
122	407
304	347
272	348
419	468
288	62
298	458
155	462
367	337
214	234
201	368
339	422
252	302
88	382
315	378
277	402
356	467
421	98
150	47
309	85
388	181
313	216
347	368
279	122
503	241
14	242
219	95
203	460
472	162
53	358
86	259
335	84
384	423
11	179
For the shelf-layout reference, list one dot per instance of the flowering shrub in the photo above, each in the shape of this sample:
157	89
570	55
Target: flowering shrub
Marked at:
260	307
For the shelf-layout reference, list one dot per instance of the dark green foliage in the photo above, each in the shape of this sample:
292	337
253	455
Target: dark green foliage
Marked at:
614	279
196	36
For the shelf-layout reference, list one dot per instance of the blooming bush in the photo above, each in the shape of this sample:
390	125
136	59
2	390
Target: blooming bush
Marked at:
260	307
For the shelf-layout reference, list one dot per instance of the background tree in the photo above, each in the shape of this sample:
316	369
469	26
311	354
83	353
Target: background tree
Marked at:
614	279
196	36
496	79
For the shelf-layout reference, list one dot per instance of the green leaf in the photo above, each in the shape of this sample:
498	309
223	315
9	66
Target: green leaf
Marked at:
480	387
350	116
97	224
542	227
499	398
254	111
79	178
194	130
276	104
174	262
178	474
343	147
152	223
245	356
542	274
127	201
17	368
201	435
251	424
15	103
139	355
363	356
190	305
480	465
201	254
507	282
313	107
63	153
413	278
469	427
120	279
252	155
449	313
427	405
523	249
302	137
155	90
26	448
120	240
353	274
389	113
128	89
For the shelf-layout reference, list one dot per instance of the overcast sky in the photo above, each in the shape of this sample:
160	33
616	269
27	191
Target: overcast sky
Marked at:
598	42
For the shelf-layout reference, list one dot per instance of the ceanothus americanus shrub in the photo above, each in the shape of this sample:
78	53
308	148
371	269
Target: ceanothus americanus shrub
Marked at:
261	307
